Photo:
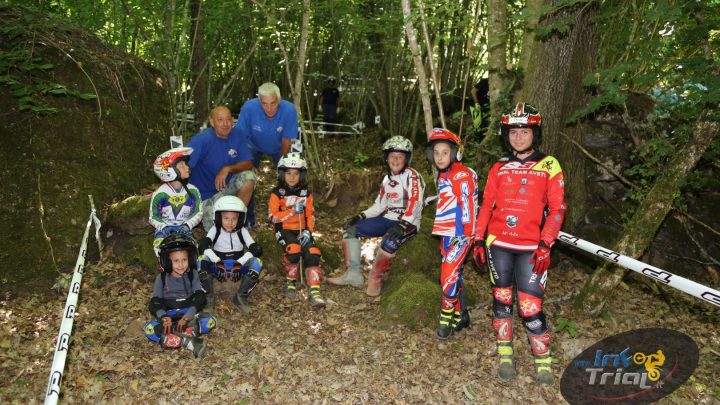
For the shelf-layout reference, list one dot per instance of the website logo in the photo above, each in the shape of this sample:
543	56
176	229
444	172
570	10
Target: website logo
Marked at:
636	367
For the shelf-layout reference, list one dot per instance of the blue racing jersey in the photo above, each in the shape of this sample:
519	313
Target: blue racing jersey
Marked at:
210	154
263	134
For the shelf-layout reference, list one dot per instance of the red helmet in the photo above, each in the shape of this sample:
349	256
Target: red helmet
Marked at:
443	135
164	165
522	116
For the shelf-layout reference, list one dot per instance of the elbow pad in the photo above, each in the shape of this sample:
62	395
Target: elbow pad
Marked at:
156	304
197	300
255	249
204	244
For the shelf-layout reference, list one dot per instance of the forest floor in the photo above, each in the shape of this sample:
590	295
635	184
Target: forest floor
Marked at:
286	352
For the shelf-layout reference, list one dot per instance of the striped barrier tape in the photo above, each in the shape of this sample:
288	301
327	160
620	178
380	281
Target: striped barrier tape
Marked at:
61	347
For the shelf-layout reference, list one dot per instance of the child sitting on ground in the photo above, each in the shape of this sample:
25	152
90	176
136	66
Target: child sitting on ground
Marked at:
178	299
293	215
224	251
175	205
454	223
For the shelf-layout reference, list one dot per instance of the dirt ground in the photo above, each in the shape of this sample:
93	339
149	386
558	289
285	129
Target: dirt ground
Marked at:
285	352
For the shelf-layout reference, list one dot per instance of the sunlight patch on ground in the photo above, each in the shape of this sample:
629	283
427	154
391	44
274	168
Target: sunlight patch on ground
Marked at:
368	248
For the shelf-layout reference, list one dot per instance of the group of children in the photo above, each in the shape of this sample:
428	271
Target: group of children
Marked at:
229	253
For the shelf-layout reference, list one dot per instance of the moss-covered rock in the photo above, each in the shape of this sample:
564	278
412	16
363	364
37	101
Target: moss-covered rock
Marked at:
51	162
130	215
412	293
138	250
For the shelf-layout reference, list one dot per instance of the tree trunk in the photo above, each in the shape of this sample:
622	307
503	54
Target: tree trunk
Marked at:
297	89
532	10
554	84
419	67
433	72
497	28
647	219
198	65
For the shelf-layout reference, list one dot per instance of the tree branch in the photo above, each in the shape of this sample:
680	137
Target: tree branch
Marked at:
599	163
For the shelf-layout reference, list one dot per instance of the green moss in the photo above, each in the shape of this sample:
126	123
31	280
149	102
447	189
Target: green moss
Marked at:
331	254
129	208
139	251
272	251
414	301
412	293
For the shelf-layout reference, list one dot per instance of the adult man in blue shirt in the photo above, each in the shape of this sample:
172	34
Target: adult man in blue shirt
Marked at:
221	163
269	123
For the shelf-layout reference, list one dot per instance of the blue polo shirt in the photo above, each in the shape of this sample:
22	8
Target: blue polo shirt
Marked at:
210	154
265	135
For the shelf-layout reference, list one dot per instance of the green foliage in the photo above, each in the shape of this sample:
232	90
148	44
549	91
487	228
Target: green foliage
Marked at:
660	57
566	324
23	71
360	158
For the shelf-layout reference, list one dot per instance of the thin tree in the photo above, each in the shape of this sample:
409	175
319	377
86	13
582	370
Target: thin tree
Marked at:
419	67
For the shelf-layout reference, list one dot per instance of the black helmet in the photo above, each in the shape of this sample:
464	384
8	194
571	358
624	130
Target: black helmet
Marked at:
522	116
176	242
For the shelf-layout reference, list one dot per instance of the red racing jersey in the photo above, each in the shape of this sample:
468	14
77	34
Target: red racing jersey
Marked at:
523	203
457	201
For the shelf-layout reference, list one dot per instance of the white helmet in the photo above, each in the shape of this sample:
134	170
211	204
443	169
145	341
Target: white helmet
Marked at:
292	160
164	165
229	203
398	143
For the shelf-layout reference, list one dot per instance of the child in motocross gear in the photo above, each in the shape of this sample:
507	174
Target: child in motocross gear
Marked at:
395	215
229	252
175	205
292	213
178	299
454	223
521	215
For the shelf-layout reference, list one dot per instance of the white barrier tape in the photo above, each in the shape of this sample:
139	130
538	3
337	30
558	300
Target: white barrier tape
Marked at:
98	225
688	286
61	347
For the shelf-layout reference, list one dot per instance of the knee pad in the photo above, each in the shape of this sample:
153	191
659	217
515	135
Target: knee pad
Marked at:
536	324
149	330
312	257
293	252
529	304
389	245
206	323
254	265
502	302
312	260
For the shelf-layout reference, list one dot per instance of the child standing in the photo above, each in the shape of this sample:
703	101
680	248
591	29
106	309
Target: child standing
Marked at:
175	205
178	299
225	246
522	213
293	215
454	223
